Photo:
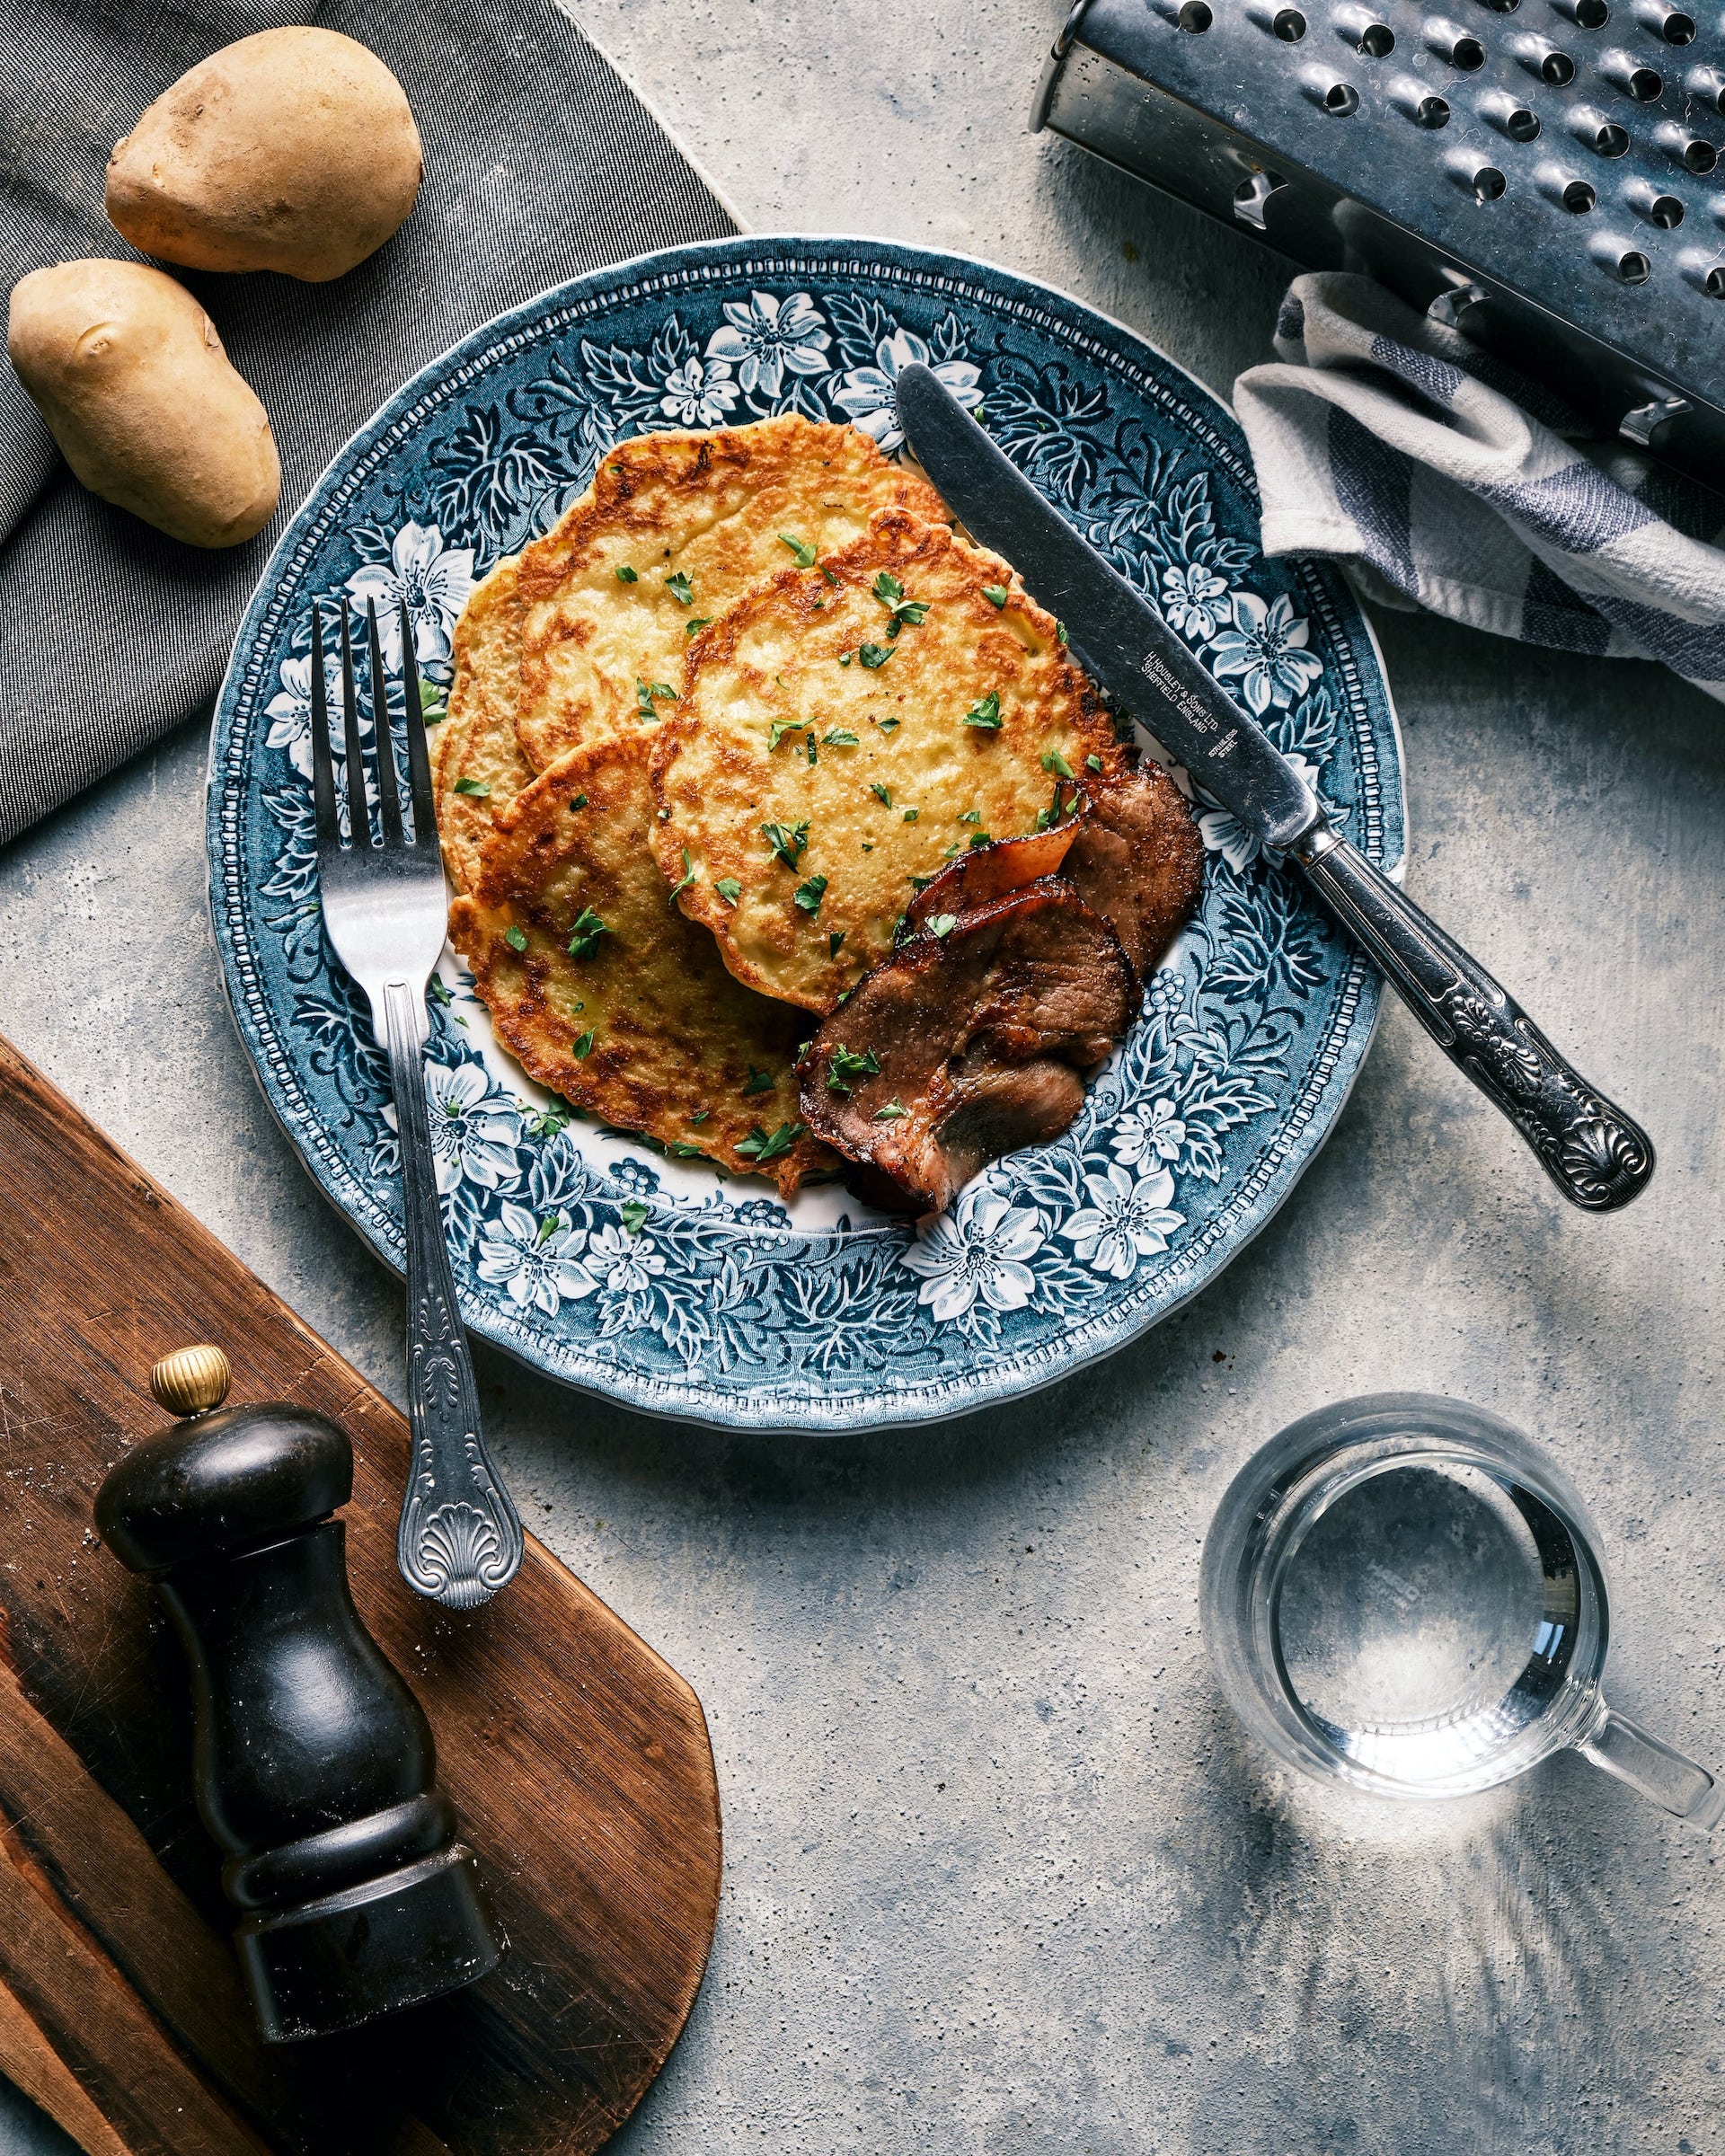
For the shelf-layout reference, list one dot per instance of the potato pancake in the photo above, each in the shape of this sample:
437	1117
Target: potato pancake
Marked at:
848	730
675	528
607	995
476	765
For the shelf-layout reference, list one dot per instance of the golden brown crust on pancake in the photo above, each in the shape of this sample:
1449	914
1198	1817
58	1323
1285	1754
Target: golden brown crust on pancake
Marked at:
476	743
705	508
673	1036
917	780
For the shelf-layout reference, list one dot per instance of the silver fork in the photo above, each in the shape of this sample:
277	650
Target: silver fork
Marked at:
384	907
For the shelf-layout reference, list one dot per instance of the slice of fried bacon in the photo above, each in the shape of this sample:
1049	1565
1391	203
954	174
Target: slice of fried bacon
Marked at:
963	1045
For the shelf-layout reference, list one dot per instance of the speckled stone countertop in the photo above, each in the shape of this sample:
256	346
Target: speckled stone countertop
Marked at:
1000	1874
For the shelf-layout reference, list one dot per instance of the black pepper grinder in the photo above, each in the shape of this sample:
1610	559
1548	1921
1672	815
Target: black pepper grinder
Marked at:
313	1762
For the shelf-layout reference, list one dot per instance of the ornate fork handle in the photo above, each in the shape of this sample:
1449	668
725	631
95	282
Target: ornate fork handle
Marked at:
460	1538
1599	1157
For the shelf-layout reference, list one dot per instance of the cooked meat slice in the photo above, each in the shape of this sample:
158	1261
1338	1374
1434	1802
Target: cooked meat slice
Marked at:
1134	855
1003	865
956	1049
1138	859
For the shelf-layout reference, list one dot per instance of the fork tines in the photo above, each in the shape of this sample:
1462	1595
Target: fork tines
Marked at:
419	761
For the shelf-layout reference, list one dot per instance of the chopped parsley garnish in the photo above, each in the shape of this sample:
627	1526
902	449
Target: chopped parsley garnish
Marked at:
584	938
843	658
1093	761
761	1147
801	549
516	938
904	612
548	1227
874	656
778	728
1060	631
433	701
942	924
813	753
680	1149
886	726
635	1214
785	842
700	1115
688	877
1052	760
477	788
646	691
759	1082
584	1046
892	1112
579	802
881	793
996	594
984	712
839	736
625	575
439	993
830	578
810	894
680	589
971	816
694	626
834	942
979	838
729	890
844	1068
911	814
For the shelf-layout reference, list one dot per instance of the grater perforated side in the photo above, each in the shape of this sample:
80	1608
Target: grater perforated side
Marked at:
1546	174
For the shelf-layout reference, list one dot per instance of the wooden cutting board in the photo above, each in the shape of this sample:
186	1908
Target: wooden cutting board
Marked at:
579	1761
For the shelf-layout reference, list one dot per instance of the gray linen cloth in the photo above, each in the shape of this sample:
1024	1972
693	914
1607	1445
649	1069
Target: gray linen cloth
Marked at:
540	164
1438	477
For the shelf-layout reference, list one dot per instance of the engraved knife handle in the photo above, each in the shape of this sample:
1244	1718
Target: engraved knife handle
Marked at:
460	1538
1599	1157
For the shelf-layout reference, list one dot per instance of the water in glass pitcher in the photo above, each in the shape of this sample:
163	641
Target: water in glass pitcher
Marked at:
1428	1614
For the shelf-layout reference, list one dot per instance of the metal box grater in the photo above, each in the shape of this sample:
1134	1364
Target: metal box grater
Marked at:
1540	172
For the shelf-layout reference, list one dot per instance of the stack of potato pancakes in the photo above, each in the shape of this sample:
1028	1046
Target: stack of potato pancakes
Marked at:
785	830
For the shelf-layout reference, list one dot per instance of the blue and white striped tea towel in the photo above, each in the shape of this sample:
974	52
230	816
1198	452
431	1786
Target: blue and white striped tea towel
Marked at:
1437	476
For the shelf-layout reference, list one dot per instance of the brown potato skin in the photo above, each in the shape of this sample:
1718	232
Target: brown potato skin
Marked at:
128	371
293	149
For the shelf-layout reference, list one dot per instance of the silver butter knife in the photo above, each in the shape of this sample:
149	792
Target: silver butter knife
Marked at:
1599	1157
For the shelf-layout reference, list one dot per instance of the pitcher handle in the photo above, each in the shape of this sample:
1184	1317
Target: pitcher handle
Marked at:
1624	1748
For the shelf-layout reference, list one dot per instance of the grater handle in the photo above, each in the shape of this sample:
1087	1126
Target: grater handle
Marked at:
1599	1157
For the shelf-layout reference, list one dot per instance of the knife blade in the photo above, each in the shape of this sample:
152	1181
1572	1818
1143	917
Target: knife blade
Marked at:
1599	1157
1122	641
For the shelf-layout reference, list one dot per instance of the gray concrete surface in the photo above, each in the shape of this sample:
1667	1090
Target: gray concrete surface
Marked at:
1000	1874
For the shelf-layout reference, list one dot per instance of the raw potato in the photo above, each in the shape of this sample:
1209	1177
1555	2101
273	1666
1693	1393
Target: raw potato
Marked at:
129	372
292	150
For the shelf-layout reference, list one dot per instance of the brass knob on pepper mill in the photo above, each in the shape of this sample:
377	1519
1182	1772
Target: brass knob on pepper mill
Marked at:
313	1762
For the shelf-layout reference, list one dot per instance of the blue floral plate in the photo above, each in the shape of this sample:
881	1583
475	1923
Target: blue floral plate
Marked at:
651	1281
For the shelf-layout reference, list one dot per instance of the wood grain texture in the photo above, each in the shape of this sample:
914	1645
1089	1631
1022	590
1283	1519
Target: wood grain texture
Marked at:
578	1759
